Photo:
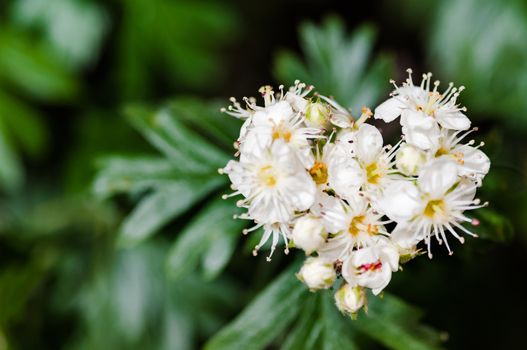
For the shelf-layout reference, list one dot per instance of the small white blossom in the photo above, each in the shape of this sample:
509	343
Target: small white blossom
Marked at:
434	205
317	273
423	111
409	159
350	300
309	233
372	266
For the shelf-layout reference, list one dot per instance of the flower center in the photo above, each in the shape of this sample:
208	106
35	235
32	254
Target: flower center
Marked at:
281	132
370	266
435	208
373	173
429	109
441	152
266	176
319	173
356	225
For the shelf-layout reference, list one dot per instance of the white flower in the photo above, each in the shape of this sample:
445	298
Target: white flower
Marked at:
367	167
471	161
350	300
317	273
280	122
432	206
372	266
409	159
274	185
353	225
423	110
309	233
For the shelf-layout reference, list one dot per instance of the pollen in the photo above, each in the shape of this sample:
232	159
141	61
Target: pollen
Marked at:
355	225
267	177
434	208
373	173
319	173
280	132
441	152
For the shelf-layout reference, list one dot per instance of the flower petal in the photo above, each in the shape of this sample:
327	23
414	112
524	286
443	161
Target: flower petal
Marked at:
389	109
454	120
419	129
400	200
438	177
368	143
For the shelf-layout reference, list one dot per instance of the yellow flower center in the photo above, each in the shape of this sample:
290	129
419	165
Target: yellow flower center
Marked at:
373	173
280	132
319	173
434	208
355	225
266	176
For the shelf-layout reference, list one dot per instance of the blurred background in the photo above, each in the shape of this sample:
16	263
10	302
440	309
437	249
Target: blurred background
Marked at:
112	231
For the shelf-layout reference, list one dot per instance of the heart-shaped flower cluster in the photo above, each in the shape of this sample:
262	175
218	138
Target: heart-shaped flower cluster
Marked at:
318	179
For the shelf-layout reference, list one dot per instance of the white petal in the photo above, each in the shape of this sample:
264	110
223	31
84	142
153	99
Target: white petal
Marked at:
405	236
438	177
300	190
419	129
279	112
389	109
368	143
475	162
454	120
345	176
400	200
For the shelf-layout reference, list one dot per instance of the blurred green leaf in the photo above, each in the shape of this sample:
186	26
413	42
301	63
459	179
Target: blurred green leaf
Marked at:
18	283
178	40
133	174
488	54
24	124
185	176
33	69
157	208
164	130
396	324
11	173
212	235
492	225
338	64
74	29
265	317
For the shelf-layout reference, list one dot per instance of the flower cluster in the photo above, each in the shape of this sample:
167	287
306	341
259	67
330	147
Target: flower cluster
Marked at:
318	179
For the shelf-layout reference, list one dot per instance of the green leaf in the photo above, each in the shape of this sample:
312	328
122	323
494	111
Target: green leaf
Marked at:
33	69
73	29
338	64
211	235
182	40
396	325
166	132
492	225
11	172
158	208
338	329
24	124
265	317
120	174
303	335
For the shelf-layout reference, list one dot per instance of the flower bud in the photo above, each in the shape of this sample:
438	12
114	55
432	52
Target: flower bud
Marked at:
317	115
350	299
317	273
410	159
309	234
